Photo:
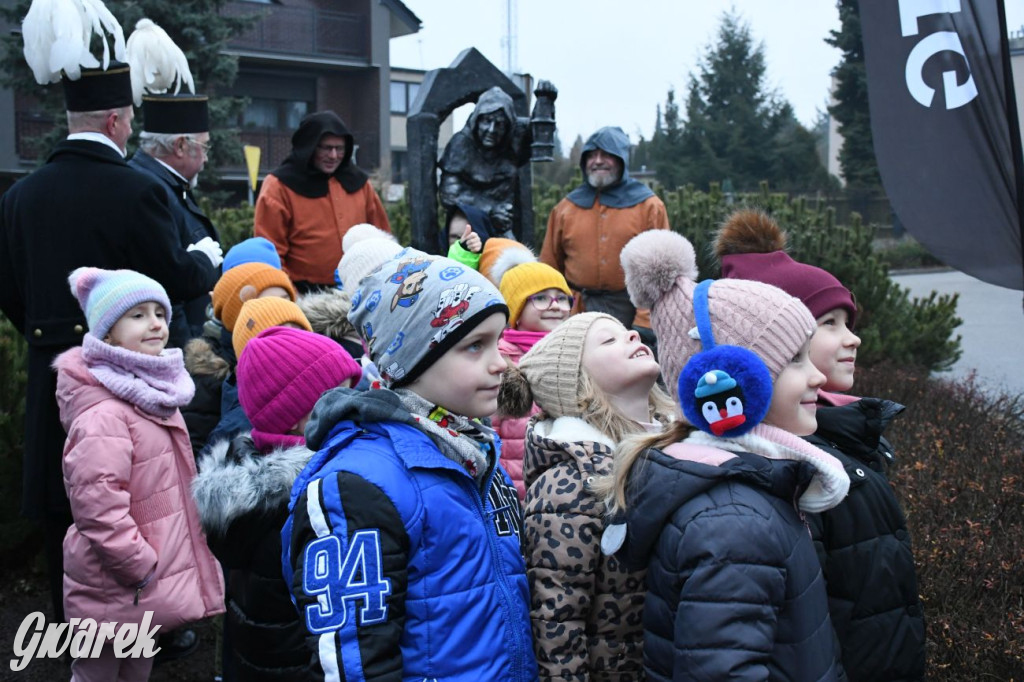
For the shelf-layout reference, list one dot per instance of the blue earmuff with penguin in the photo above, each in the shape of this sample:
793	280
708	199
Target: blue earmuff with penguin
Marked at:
724	390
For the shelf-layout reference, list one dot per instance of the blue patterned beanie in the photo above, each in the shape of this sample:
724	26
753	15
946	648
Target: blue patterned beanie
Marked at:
414	307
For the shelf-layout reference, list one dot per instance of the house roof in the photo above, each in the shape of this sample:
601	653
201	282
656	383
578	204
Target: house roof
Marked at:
407	22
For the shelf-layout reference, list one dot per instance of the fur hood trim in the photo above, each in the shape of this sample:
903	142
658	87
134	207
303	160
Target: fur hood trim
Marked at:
201	360
571	430
235	479
327	313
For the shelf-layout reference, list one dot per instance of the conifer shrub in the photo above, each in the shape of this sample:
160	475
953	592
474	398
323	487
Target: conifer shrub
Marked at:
234	223
892	326
14	531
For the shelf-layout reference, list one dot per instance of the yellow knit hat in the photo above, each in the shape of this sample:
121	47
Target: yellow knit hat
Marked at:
226	294
525	280
262	313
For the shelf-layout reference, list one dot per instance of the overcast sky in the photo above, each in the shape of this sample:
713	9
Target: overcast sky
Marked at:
613	61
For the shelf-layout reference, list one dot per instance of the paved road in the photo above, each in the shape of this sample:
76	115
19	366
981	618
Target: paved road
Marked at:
993	328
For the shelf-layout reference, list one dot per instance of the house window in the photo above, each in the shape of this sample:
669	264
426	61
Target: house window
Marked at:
274	114
398	166
402	96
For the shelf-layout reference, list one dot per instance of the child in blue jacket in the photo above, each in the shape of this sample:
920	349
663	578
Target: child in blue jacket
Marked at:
403	547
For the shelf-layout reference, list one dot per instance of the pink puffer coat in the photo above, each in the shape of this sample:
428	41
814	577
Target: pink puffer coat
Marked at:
128	476
512	430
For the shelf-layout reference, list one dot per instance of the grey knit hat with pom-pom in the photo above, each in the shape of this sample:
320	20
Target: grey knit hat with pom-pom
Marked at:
661	274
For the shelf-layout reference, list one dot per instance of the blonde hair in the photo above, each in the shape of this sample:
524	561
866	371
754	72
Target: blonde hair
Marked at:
629	454
597	410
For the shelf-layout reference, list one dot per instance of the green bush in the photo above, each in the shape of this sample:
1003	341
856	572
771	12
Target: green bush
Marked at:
234	223
14	531
904	253
891	325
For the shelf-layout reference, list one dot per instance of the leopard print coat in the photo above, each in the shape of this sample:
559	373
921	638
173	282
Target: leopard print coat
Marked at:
586	608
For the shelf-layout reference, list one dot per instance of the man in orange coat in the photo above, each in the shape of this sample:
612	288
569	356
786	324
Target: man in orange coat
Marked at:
309	202
587	229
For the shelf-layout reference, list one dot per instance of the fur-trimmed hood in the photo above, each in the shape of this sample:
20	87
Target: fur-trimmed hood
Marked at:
201	359
565	439
236	480
327	313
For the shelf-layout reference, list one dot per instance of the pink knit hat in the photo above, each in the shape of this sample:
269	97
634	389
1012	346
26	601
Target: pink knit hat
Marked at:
281	375
661	273
106	295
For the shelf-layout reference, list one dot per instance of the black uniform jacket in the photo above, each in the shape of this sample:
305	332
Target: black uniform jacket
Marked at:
85	206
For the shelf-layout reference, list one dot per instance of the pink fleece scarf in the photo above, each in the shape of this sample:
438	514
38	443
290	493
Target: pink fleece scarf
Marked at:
830	483
522	339
157	384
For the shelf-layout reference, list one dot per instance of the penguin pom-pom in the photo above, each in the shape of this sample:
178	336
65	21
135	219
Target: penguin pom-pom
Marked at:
515	399
652	261
749	231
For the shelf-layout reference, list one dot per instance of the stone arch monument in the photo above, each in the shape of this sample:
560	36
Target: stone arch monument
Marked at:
443	91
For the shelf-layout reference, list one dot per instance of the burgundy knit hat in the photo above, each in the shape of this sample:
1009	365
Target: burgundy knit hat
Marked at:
750	246
283	372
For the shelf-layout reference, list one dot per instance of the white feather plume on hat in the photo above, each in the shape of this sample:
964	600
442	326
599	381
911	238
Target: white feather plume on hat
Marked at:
157	63
57	36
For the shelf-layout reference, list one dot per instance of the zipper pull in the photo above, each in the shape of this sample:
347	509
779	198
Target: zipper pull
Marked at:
138	591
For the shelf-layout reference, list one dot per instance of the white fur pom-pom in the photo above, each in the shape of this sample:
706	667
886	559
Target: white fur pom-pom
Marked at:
361	231
652	261
509	258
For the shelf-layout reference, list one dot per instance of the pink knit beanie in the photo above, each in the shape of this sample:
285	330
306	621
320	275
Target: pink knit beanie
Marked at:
283	372
661	273
106	295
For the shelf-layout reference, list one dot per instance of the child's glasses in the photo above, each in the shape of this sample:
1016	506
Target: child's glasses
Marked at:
545	301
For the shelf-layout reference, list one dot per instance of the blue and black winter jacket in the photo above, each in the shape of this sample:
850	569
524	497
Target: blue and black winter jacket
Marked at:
734	589
401	568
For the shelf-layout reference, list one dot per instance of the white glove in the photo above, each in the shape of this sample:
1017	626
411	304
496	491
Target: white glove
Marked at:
210	249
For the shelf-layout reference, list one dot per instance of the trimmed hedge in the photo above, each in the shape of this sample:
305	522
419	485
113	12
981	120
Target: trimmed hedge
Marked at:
960	478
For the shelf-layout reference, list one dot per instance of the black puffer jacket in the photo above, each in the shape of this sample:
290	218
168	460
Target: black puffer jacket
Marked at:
734	590
242	497
208	365
864	548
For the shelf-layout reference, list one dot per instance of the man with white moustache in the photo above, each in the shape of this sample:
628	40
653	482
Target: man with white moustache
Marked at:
588	228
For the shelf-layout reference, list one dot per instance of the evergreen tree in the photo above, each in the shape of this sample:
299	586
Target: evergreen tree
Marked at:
667	144
736	131
556	172
796	163
857	155
576	152
197	26
730	115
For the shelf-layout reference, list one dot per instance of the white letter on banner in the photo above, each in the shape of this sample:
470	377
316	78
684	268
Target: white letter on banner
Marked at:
912	10
956	95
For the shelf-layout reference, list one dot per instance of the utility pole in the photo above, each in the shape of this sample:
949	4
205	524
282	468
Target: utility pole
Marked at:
510	39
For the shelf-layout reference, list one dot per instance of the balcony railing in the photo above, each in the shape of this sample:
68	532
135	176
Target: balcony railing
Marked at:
302	31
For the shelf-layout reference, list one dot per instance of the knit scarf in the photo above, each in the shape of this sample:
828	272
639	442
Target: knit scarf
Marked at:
830	483
522	339
465	441
157	384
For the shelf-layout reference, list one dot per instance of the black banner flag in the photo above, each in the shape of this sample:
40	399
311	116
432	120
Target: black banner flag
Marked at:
947	138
